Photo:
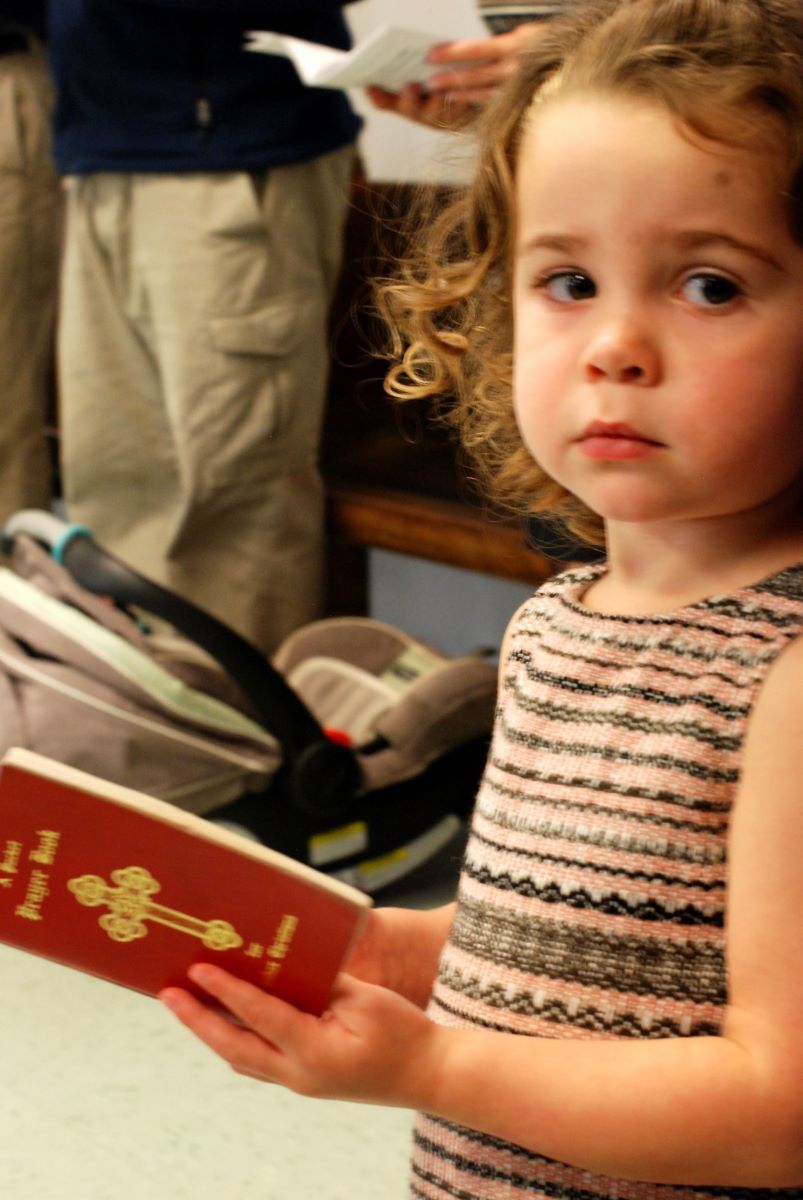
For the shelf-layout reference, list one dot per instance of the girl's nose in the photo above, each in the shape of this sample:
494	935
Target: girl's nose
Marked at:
622	353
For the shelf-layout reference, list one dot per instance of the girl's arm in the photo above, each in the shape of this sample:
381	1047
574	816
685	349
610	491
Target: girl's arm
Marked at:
724	1111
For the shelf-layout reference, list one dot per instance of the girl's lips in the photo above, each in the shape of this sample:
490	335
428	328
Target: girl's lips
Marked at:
613	440
620	449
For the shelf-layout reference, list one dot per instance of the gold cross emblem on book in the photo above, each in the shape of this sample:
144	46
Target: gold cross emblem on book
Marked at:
130	906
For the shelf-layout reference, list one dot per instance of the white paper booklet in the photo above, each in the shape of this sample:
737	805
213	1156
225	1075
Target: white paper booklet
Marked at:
389	58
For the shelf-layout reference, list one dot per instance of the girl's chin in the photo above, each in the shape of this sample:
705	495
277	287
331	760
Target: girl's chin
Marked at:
631	510
621	492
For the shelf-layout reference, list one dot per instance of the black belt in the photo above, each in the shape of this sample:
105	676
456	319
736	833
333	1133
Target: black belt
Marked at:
13	42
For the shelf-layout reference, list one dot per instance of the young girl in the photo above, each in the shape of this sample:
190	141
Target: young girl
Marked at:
618	1004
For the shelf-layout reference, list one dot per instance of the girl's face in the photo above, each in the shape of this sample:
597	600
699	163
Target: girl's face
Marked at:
658	304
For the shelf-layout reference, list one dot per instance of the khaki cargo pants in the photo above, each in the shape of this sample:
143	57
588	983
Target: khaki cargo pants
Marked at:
193	362
30	243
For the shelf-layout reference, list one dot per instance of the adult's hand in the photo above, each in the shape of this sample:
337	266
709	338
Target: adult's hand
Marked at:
473	69
438	110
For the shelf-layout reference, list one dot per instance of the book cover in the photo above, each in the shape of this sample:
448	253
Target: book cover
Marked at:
128	888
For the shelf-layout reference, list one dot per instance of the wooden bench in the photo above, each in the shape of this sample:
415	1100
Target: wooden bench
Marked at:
393	480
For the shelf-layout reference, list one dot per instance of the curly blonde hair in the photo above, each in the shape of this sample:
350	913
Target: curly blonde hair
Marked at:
728	69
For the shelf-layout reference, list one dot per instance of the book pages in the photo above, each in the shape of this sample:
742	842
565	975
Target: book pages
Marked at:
389	57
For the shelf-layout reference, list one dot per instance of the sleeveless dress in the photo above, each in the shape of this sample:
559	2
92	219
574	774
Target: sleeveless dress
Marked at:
592	896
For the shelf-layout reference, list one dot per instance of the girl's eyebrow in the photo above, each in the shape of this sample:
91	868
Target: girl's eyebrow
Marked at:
696	239
564	243
687	239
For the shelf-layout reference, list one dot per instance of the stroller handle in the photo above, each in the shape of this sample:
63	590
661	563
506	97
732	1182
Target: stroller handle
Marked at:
325	773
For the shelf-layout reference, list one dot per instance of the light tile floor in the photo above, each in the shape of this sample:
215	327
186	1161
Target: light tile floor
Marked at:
104	1097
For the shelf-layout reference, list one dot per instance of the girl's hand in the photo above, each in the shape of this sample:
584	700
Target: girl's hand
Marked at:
370	1045
400	948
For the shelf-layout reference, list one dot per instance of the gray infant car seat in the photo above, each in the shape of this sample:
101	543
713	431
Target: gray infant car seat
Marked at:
357	750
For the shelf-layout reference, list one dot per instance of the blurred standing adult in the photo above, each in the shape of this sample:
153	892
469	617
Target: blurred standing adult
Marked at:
30	227
206	192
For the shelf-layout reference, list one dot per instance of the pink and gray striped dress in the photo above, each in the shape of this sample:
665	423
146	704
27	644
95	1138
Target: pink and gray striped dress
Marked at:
592	896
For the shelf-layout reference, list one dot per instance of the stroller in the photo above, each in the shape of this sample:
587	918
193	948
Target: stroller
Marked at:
357	750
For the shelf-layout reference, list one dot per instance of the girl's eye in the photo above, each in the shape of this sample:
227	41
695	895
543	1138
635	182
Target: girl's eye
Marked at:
710	291
568	286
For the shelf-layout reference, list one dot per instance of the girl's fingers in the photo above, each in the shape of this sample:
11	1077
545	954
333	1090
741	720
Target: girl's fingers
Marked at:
275	1024
243	1051
273	1019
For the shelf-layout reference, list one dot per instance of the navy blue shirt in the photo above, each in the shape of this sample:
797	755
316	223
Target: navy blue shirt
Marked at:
165	85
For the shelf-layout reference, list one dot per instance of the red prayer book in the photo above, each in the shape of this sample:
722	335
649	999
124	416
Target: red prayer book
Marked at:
129	888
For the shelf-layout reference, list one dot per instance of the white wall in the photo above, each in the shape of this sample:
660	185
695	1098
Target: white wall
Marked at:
457	610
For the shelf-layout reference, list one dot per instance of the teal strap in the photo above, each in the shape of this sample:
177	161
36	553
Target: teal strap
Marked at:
59	548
